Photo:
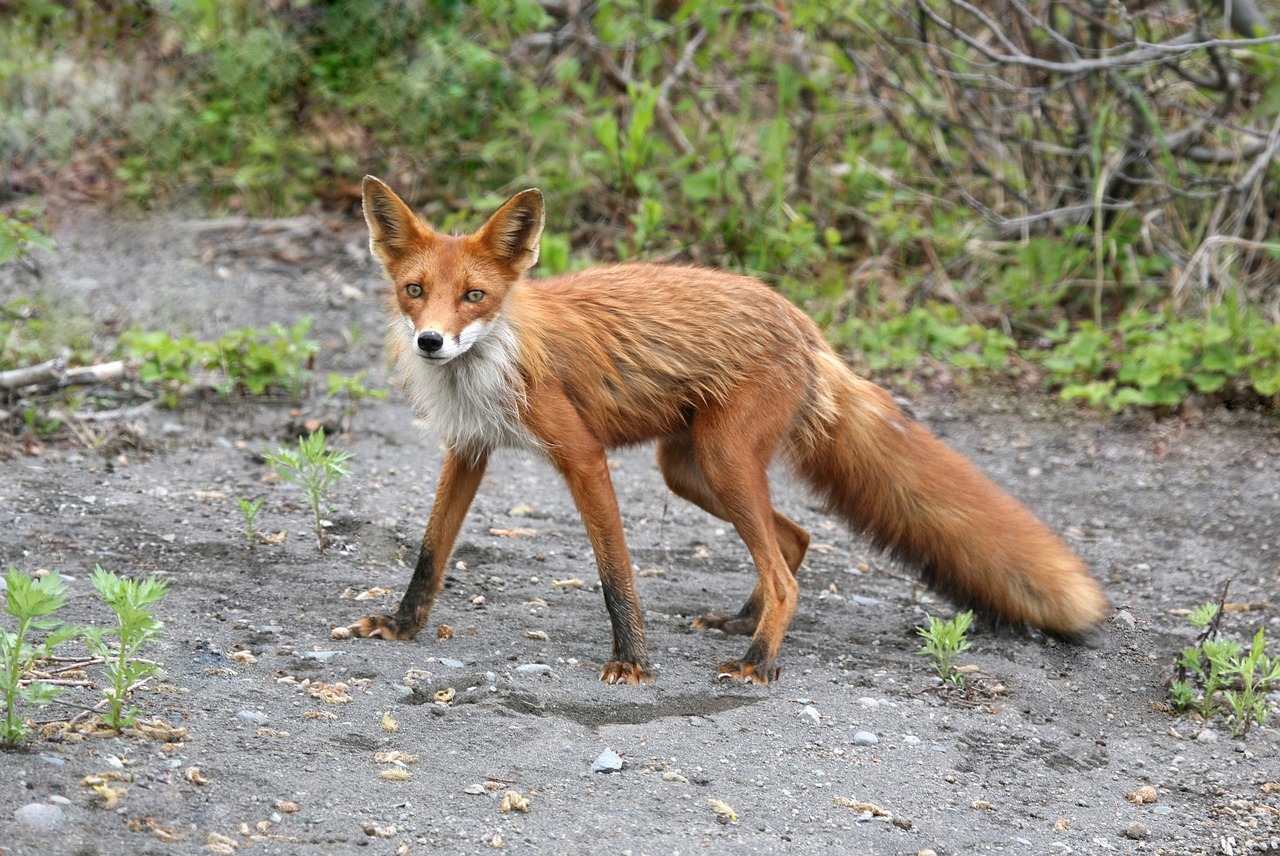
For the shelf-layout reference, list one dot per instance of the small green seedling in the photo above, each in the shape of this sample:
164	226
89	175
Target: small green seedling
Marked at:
1219	675
944	641
131	600
1255	672
355	390
250	511
31	601
316	468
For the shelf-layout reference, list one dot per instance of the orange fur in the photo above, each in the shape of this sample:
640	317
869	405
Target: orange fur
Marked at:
725	374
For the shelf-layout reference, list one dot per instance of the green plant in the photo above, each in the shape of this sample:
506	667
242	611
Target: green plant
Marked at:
944	641
132	601
316	468
18	237
354	389
250	511
31	602
164	360
251	361
1159	360
1255	672
254	361
1222	676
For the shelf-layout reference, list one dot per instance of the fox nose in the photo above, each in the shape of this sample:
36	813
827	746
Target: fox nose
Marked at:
430	342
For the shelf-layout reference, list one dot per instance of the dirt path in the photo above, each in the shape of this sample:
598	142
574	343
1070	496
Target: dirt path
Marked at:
1040	761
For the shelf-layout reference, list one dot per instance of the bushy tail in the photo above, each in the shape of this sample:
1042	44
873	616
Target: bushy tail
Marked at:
910	493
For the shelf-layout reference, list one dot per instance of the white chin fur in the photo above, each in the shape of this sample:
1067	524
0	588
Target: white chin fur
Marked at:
471	403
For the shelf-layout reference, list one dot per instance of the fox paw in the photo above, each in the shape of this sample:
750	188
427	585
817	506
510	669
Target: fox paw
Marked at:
748	673
375	626
734	625
619	672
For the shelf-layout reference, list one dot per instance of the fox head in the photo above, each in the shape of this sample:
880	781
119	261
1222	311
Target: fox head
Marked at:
448	289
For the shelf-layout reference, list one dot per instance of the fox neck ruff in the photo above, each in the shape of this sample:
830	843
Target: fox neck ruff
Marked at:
472	401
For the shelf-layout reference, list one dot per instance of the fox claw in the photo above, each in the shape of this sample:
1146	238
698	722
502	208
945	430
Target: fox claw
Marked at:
748	673
618	672
376	626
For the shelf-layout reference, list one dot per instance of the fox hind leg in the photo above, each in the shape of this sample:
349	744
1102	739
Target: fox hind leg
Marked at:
731	448
683	475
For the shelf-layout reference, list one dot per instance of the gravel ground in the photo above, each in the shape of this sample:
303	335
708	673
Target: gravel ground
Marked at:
289	739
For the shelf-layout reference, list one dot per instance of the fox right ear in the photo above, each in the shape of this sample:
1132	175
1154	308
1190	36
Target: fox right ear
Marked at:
393	227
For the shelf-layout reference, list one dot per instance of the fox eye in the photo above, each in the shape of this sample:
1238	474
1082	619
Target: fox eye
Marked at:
413	290
475	295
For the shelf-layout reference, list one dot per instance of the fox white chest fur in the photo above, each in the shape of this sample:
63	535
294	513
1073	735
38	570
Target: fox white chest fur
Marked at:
472	400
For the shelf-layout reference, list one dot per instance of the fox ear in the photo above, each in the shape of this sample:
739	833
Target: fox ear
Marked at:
393	227
513	232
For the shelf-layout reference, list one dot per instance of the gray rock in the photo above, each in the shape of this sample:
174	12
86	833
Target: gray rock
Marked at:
252	717
607	762
41	817
865	738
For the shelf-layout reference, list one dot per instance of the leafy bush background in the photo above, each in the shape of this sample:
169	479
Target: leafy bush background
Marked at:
1083	196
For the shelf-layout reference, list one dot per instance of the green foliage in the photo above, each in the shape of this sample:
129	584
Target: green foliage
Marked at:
316	468
944	641
165	361
1221	675
249	508
18	237
817	147
355	391
35	330
1157	360
250	361
31	602
132	601
254	362
899	343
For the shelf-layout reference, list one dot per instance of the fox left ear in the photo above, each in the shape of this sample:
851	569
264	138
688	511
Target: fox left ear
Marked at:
513	232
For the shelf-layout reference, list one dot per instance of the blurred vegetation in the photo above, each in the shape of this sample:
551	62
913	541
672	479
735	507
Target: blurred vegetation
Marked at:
1083	196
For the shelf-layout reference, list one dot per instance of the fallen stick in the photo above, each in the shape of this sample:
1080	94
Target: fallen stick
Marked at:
50	370
54	373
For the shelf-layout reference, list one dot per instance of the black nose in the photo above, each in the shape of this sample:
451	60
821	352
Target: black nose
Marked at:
430	342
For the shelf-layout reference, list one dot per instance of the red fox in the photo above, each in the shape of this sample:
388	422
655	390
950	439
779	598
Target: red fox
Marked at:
724	374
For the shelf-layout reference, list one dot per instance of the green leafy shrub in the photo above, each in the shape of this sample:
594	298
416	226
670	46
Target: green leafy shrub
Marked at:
1156	360
249	361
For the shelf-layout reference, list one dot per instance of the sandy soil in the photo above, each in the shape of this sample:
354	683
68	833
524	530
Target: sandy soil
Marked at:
1038	759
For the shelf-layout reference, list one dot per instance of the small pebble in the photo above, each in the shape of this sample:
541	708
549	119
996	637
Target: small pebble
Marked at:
1207	736
252	717
319	655
533	669
810	713
1137	832
450	663
607	762
865	738
474	790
